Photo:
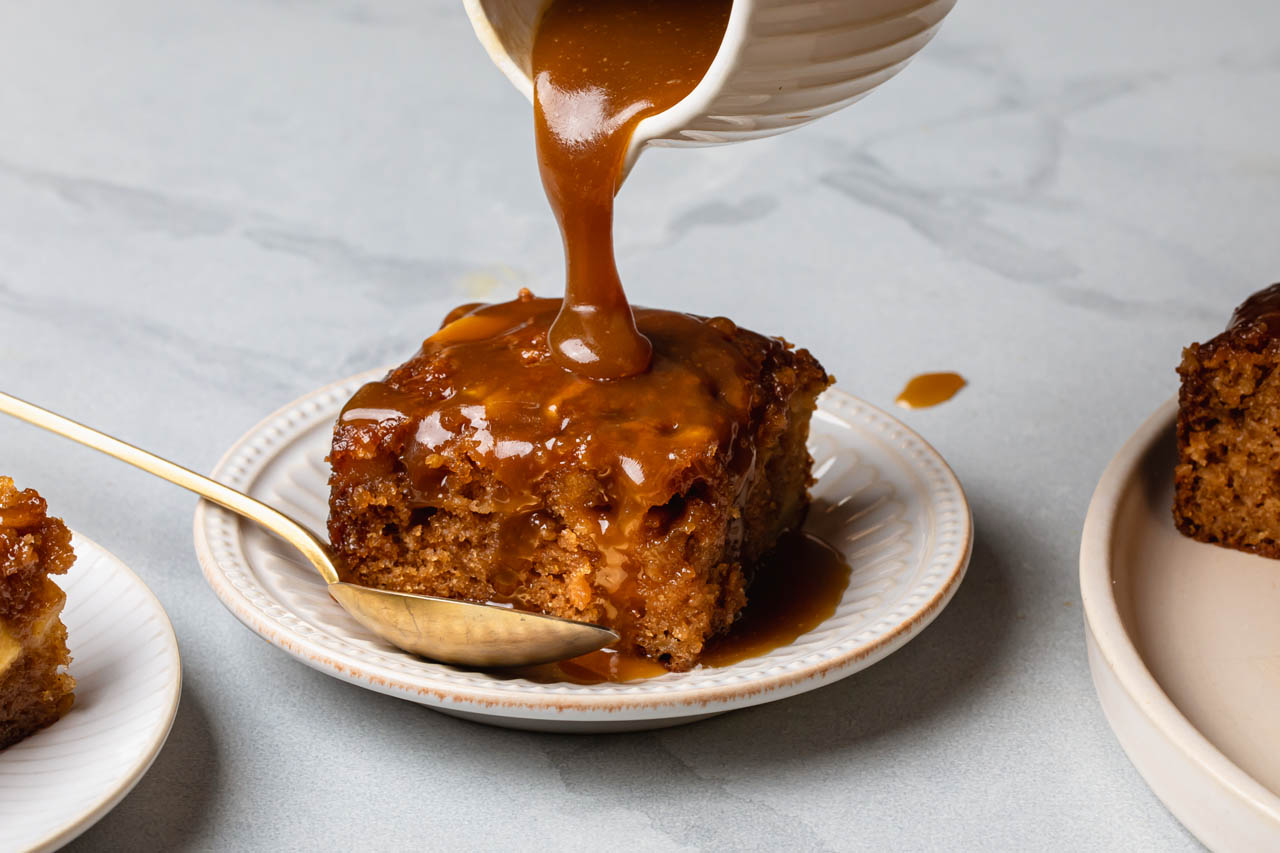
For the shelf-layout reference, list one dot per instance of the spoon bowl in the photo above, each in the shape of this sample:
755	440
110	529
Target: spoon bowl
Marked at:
467	633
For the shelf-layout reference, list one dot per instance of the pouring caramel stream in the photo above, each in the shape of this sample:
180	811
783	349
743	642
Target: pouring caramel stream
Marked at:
514	388
599	67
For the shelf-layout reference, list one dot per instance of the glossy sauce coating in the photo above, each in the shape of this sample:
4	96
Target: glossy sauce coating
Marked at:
32	543
798	586
930	389
520	414
599	67
1263	305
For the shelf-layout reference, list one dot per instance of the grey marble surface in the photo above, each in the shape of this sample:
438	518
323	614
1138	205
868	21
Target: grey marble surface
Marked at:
210	208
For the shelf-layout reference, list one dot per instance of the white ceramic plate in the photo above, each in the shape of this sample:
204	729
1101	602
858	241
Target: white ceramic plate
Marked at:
1184	646
57	783
883	497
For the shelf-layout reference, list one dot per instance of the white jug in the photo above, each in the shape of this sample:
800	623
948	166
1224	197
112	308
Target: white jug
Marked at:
782	63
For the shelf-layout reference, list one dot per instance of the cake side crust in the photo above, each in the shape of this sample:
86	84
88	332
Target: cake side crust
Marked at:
1227	479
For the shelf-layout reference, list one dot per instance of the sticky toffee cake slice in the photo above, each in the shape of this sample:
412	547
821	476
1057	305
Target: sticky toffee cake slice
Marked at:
481	469
1228	476
35	689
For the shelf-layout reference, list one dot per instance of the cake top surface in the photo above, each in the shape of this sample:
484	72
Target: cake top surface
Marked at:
1254	326
32	545
1262	306
486	385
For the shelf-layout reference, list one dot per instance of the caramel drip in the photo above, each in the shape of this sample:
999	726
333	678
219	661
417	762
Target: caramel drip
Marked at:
599	68
930	389
798	586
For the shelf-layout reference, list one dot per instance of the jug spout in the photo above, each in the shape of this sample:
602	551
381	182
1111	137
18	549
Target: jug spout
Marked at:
781	64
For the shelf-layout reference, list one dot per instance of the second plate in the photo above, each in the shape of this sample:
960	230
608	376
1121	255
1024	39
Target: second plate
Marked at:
1184	647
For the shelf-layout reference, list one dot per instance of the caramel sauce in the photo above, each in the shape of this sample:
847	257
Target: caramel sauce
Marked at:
930	389
798	585
1263	305
599	67
17	518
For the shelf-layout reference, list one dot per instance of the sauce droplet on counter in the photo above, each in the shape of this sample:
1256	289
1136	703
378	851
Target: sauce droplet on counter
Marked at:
930	389
599	68
798	586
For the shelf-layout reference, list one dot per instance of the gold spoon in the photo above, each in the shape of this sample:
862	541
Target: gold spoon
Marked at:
459	632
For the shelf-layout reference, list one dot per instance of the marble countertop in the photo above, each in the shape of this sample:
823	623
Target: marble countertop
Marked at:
208	209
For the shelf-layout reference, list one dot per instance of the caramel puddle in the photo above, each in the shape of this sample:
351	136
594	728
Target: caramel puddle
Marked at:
930	389
798	586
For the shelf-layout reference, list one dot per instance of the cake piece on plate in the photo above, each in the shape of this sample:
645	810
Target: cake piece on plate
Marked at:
35	689
1228	475
480	469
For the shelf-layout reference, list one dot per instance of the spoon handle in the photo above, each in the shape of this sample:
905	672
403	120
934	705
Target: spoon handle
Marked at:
272	519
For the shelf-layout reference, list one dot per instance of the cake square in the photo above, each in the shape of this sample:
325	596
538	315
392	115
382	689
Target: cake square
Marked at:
35	689
482	470
1227	479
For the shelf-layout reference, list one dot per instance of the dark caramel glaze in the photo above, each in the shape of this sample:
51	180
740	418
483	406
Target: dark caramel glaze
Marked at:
599	68
1262	306
798	586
